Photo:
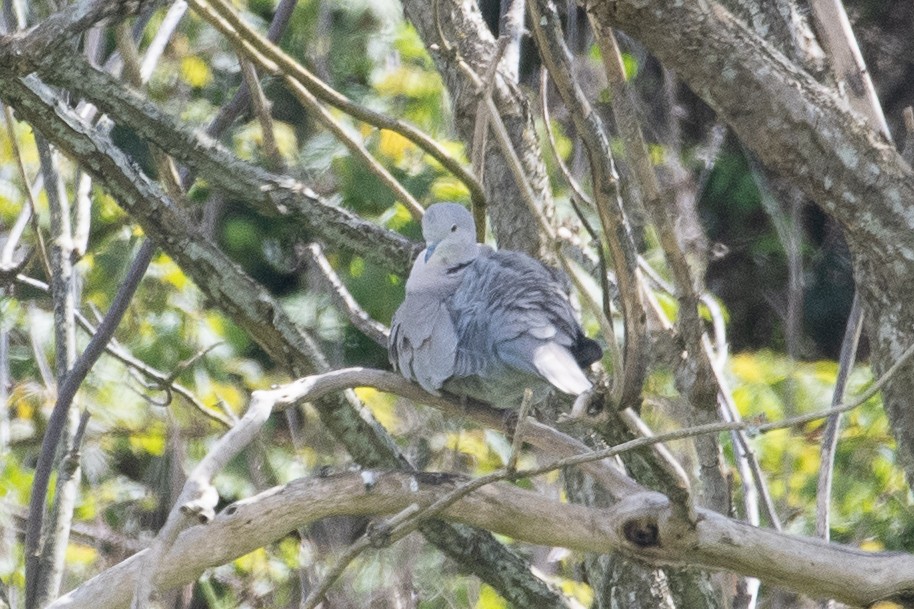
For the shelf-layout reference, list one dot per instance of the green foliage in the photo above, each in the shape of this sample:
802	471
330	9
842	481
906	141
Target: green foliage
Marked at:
870	498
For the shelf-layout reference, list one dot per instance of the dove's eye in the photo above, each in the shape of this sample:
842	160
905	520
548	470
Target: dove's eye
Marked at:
454	228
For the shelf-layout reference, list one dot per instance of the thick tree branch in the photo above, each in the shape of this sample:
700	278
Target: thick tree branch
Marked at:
199	497
643	524
806	133
639	527
24	48
270	194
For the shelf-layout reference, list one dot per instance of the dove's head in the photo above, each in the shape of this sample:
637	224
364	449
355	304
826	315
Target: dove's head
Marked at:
450	234
450	246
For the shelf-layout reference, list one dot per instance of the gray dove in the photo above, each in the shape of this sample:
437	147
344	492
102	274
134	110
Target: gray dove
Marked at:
486	324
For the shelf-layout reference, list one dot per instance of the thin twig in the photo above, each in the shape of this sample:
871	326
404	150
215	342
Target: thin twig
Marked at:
548	233
44	565
511	26
15	234
262	110
160	380
242	98
751	427
67	391
344	300
850	71
517	439
285	66
129	54
363	543
82	219
833	424
38	354
747	462
481	131
160	41
7	266
26	185
223	17
745	456
573	183
481	126
198	498
847	61
907	150
616	228
609	333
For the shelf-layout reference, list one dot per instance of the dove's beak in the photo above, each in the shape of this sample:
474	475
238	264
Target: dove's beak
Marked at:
429	250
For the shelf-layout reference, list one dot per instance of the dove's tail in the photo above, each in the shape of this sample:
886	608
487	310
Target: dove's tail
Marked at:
586	351
558	366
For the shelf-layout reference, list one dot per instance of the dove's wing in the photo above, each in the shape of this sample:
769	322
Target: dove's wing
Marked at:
423	342
512	313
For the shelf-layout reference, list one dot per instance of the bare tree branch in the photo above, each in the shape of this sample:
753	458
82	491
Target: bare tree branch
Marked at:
67	391
262	111
271	57
21	49
638	527
454	32
804	132
832	426
847	62
223	17
198	498
855	83
270	194
45	556
643	524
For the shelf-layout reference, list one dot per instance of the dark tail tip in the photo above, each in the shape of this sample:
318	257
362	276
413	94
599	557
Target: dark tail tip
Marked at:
586	351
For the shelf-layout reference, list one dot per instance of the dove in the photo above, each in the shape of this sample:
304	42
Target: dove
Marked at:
486	324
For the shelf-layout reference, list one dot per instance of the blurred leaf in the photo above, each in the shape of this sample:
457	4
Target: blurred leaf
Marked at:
195	72
149	443
382	406
489	599
630	63
394	146
449	188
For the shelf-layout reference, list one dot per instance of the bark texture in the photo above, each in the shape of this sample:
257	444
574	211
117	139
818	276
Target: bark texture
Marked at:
470	41
808	135
639	527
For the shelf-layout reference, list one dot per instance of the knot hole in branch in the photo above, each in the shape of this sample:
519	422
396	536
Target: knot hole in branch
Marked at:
642	532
